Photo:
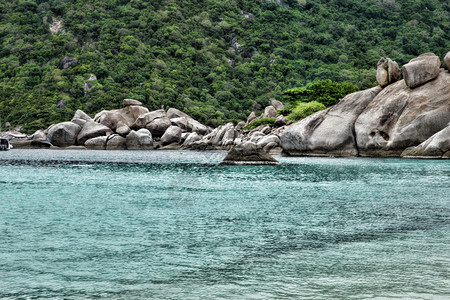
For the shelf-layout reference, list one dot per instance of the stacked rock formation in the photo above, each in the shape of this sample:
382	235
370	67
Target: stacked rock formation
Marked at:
132	127
265	137
406	117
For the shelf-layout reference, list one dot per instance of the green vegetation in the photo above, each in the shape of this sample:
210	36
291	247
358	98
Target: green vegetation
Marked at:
257	122
215	60
304	109
326	92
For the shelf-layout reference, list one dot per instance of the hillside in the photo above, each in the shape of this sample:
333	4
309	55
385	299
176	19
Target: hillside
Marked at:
215	60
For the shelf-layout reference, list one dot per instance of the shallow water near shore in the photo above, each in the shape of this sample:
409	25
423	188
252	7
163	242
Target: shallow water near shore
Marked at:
175	225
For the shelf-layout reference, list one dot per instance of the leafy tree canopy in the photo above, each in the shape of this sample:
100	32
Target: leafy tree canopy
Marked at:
216	60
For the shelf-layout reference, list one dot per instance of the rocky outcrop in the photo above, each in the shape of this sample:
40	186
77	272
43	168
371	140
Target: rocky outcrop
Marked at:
277	104
131	102
248	153
381	122
270	112
387	72
63	134
329	132
437	146
400	117
67	62
421	69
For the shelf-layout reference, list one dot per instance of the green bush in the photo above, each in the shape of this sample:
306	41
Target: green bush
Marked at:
326	92
257	122
302	110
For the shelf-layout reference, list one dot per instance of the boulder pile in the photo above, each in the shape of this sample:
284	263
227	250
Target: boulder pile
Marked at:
225	137
132	127
406	117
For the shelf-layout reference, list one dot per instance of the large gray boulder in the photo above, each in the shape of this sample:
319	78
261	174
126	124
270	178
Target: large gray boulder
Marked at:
122	129
81	118
192	138
387	72
149	117
136	140
437	146
91	130
400	117
186	122
158	126
97	143
63	134
230	135
248	153
132	112
330	131
270	112
198	127
172	135
215	138
181	122
176	113
38	135
251	117
421	69
277	104
447	61
129	102
115	142
110	118
267	140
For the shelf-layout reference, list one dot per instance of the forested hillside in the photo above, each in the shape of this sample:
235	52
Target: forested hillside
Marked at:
215	60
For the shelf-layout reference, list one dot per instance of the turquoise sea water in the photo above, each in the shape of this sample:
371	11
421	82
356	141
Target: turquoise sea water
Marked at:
175	225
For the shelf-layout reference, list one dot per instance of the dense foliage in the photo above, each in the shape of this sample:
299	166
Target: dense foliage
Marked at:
326	92
304	109
260	121
216	60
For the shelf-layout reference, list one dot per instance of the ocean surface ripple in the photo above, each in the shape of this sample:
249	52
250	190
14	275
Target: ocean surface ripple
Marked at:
176	225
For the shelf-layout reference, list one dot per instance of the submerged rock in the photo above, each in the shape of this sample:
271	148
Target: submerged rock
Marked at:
248	153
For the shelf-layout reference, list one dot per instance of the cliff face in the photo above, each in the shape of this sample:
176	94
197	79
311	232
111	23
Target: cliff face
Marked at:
381	122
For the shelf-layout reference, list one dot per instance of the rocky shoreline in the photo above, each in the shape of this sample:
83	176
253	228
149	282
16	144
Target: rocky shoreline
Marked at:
407	115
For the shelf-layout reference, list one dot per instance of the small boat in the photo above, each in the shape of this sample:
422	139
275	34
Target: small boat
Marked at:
5	145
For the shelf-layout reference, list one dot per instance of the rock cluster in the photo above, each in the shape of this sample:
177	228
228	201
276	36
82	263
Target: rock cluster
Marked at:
408	117
265	137
132	127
